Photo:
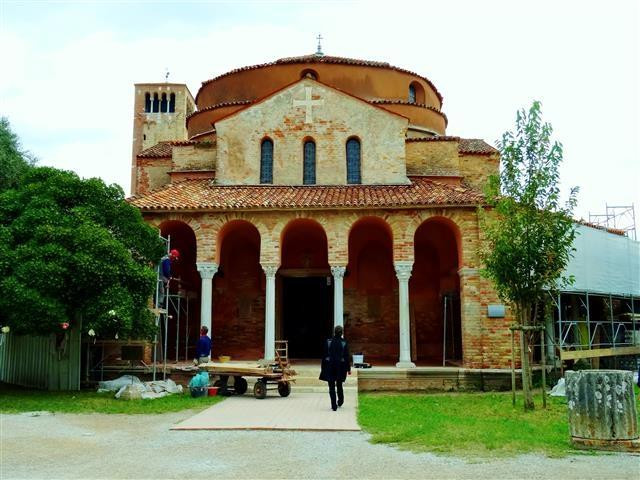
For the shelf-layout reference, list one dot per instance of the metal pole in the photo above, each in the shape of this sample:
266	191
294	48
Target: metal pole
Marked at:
633	321
544	371
177	326
444	336
560	320
589	320
186	331
513	369
613	332
166	324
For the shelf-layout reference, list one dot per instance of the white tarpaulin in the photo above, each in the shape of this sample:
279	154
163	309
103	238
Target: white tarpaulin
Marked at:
604	263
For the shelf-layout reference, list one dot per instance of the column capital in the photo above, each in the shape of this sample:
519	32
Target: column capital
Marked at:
338	271
207	269
270	269
403	270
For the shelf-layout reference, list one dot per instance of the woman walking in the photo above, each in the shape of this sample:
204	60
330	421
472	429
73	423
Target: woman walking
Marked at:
336	366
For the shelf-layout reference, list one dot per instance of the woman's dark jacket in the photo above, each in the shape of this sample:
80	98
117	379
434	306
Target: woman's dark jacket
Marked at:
336	360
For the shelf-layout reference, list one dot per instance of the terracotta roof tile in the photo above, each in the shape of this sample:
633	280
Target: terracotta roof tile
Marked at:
476	146
326	59
473	146
382	101
159	150
204	194
220	105
163	149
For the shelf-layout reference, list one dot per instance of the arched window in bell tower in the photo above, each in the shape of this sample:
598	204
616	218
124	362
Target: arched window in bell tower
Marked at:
354	175
147	102
266	161
156	103
309	165
163	103
172	103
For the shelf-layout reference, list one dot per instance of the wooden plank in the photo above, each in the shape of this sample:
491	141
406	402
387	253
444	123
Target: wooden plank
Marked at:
598	352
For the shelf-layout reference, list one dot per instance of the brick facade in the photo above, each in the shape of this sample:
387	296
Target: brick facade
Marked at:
416	204
371	318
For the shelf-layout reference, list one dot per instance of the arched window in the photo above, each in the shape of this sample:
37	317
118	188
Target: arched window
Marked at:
172	103
416	93
163	103
266	161
147	102
353	161
412	94
156	103
309	166
308	73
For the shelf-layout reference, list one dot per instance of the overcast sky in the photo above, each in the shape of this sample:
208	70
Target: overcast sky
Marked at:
67	70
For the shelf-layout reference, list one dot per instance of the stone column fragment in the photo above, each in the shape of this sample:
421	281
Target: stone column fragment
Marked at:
338	295
403	272
270	313
207	271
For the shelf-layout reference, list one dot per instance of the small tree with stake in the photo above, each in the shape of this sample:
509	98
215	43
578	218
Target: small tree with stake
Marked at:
529	234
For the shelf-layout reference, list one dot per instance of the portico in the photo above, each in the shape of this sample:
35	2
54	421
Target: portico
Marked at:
257	274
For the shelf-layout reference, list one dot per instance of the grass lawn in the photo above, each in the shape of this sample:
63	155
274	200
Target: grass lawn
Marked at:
466	424
16	400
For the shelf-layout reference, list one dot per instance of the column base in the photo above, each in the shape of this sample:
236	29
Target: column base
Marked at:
264	362
405	365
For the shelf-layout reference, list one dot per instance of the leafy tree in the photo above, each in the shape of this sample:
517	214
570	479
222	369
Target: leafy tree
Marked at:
529	233
71	250
14	162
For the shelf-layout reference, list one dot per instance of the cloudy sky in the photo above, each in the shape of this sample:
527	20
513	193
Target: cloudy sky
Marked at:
68	69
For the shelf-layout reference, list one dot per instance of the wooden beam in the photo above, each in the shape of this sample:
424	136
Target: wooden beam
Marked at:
598	352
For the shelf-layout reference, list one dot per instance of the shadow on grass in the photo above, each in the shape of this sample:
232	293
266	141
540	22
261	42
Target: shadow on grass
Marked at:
19	400
469	425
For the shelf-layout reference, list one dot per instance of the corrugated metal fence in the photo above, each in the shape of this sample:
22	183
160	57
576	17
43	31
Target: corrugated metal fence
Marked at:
41	362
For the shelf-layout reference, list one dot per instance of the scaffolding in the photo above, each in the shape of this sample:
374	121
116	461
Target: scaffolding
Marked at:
171	309
619	217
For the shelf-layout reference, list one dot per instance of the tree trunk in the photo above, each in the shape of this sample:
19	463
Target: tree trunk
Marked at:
524	356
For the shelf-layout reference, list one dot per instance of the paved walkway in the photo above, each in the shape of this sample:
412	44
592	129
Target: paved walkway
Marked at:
299	411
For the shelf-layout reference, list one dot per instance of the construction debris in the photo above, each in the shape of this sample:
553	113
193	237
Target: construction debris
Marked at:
128	387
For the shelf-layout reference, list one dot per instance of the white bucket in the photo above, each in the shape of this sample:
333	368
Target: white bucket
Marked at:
358	359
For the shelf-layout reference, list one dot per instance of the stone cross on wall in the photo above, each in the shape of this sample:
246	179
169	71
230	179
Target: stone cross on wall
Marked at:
308	103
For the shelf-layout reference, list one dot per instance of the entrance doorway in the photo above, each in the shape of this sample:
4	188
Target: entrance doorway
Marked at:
307	308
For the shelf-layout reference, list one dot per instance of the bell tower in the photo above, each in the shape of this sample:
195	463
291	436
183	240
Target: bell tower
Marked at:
160	113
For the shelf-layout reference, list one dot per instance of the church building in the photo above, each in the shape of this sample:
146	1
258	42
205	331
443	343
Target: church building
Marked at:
316	191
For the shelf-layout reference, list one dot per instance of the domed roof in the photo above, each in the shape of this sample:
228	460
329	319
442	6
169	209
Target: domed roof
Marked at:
316	58
379	83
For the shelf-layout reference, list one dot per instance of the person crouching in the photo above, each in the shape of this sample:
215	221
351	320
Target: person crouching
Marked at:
203	347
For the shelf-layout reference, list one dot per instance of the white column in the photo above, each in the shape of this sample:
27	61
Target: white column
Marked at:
270	313
207	271
338	297
403	272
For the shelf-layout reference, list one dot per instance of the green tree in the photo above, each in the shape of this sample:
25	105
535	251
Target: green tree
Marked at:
72	250
529	234
14	162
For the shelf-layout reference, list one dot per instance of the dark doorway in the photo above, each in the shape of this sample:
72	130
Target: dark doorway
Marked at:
307	314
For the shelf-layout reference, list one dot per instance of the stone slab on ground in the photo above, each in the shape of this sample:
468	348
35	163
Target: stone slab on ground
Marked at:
299	411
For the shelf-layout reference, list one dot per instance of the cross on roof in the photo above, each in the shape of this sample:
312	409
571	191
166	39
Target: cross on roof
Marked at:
308	103
319	51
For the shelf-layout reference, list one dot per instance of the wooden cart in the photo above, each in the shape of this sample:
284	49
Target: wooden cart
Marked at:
275	376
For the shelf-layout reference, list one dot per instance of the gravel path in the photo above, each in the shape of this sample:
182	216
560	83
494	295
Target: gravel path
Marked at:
142	446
